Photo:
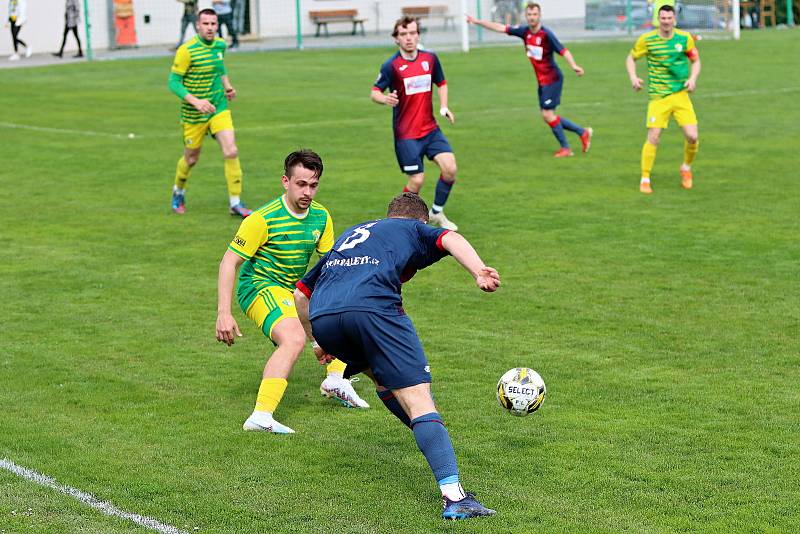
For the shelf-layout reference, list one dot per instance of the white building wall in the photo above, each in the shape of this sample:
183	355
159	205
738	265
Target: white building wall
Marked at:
270	18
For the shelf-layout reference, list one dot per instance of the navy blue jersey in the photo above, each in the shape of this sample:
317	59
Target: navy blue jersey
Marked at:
413	79
367	265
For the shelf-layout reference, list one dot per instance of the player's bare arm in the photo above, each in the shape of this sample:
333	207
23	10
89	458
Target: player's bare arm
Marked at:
230	92
489	25
486	278
201	105
301	302
571	61
691	83
444	111
636	82
387	99
227	329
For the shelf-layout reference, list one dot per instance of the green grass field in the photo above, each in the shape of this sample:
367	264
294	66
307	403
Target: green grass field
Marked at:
666	327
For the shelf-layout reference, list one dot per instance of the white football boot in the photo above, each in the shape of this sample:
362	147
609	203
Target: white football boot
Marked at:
263	422
439	219
341	390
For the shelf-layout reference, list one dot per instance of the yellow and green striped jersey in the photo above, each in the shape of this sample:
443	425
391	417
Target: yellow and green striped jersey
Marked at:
277	246
201	66
668	60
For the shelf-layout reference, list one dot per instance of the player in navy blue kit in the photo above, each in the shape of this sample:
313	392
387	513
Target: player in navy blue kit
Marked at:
409	75
356	311
540	43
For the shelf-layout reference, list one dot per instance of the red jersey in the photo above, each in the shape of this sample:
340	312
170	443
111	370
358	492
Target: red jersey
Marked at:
413	80
539	47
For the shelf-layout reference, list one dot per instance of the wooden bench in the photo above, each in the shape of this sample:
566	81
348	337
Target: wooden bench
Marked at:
430	12
323	17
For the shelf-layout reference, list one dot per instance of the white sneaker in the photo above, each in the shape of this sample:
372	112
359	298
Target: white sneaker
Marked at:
255	423
28	51
440	220
341	390
13	57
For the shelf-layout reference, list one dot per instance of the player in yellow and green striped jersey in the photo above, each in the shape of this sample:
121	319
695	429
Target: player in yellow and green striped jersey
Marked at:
673	65
273	247
200	80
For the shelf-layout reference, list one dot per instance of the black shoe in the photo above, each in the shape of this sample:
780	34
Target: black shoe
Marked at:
58	54
79	54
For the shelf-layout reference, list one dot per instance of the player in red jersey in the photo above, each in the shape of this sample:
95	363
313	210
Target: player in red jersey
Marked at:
409	76
540	43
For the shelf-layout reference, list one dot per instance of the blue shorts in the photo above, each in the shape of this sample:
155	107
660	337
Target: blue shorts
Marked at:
386	344
410	151
550	95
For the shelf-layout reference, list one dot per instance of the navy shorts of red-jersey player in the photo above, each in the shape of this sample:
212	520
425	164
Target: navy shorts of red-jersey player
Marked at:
386	344
410	152
550	95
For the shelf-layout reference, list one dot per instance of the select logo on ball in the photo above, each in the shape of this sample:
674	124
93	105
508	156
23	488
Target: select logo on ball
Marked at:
521	391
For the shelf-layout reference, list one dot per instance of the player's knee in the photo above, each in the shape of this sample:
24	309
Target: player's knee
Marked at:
691	138
191	158
653	137
449	172
294	343
231	152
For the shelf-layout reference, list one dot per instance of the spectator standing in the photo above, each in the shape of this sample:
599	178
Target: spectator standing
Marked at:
224	9
72	16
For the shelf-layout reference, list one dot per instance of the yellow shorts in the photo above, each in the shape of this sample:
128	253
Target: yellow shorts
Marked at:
193	134
272	305
677	104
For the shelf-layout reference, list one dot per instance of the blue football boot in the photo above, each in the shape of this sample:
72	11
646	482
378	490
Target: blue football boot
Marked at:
178	203
465	508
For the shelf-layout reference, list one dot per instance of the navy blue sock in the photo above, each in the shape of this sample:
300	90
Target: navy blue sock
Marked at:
393	405
571	126
442	192
558	131
434	442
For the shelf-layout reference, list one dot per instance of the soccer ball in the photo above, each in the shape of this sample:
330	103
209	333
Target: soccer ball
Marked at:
521	391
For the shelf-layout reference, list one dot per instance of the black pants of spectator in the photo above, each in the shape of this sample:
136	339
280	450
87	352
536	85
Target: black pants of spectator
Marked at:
74	30
227	20
14	33
186	20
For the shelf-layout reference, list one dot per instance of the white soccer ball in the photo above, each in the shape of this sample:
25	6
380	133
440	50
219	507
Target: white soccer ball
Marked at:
521	391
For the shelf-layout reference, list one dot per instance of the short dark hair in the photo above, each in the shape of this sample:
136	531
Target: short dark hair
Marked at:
404	21
409	206
306	158
207	11
666	7
533	5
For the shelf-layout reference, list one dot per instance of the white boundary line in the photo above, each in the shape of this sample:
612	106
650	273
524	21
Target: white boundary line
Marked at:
335	123
60	130
88	499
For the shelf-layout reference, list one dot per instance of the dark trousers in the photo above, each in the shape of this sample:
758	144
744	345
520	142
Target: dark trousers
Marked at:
227	20
74	30
14	33
186	20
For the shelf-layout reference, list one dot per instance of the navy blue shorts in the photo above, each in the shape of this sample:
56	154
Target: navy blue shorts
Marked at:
550	95
386	344
410	151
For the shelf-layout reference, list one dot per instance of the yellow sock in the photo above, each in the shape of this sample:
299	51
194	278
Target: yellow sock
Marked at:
689	152
648	158
182	173
233	175
336	367
270	394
